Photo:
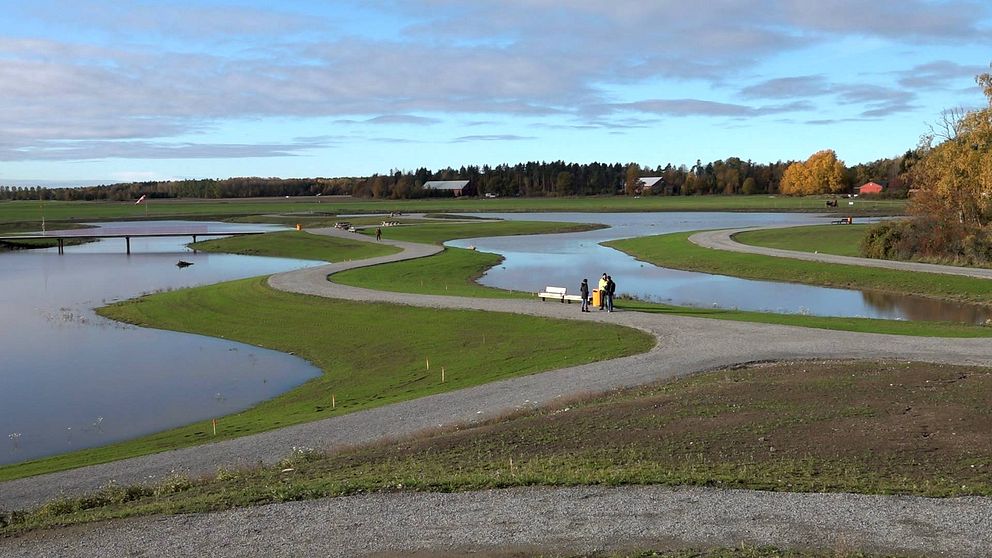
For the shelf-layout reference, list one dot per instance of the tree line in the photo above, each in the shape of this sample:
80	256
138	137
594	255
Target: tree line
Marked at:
531	179
952	200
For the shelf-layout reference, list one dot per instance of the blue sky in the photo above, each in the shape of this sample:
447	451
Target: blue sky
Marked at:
148	90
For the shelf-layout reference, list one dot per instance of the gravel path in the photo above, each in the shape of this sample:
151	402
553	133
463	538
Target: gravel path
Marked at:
723	240
527	522
685	345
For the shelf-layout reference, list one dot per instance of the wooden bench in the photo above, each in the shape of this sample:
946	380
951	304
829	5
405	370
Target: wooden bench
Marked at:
560	294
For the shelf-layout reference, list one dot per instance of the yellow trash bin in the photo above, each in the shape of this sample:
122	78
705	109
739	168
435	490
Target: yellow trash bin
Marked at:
596	300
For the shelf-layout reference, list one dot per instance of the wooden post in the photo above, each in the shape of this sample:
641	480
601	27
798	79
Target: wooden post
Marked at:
61	245
128	240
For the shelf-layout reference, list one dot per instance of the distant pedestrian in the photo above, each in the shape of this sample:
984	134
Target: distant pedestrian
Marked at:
378	233
602	291
584	293
611	289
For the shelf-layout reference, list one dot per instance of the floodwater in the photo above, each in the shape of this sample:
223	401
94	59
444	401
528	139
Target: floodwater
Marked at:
533	262
70	379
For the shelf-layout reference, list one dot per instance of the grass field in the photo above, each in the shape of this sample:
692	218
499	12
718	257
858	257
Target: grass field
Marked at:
15	211
826	239
675	251
454	271
386	364
860	427
297	244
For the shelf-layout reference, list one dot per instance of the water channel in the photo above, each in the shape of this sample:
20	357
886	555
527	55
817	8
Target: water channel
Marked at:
70	379
533	262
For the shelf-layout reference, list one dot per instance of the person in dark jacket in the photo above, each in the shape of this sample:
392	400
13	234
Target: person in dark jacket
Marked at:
611	289
584	292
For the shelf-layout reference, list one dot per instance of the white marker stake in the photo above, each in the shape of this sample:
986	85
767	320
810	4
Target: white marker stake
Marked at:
442	374
214	422
334	401
428	362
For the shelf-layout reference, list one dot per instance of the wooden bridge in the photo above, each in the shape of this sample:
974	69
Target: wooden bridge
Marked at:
127	235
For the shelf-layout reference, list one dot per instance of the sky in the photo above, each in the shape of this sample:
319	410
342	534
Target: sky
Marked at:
110	91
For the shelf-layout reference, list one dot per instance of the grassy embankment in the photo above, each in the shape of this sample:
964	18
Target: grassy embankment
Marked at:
297	244
825	239
15	211
877	428
361	371
675	251
454	271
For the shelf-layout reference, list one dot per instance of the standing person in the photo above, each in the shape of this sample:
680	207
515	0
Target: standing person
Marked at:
602	291
584	292
611	288
378	233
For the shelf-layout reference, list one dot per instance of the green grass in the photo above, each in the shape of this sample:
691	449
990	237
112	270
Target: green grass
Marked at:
13	211
848	427
439	233
675	251
861	325
840	240
297	244
385	364
454	271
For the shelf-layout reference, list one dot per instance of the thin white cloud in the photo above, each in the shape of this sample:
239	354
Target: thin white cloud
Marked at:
518	58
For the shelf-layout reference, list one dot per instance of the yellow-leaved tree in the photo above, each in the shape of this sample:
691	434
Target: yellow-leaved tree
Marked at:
822	173
951	197
954	178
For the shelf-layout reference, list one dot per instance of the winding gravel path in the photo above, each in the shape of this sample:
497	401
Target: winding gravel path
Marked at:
723	240
492	520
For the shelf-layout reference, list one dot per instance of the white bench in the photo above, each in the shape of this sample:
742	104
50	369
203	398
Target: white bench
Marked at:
560	294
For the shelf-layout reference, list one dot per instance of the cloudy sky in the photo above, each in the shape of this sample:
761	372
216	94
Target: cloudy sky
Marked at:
100	90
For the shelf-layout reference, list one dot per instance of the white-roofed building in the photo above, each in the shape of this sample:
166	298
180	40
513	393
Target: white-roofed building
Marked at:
457	187
648	183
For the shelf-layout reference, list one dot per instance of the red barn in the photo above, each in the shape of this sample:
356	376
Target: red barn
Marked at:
870	188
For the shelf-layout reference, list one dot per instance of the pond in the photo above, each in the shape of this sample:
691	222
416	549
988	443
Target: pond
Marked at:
70	379
533	262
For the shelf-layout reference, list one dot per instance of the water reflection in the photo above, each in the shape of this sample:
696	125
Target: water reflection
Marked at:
533	262
70	379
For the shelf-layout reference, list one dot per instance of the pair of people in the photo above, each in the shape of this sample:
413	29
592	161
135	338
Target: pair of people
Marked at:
607	288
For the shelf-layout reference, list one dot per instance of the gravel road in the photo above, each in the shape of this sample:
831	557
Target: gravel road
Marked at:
531	521
723	240
387	523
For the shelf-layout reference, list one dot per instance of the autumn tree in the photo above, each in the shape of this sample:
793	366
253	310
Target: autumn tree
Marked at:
954	178
822	173
632	183
952	206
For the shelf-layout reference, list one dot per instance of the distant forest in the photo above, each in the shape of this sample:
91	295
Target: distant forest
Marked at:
533	179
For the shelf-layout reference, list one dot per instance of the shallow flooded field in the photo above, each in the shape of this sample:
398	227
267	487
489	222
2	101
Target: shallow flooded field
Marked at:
70	379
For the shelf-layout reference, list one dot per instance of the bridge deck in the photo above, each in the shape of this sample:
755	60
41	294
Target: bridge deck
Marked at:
127	235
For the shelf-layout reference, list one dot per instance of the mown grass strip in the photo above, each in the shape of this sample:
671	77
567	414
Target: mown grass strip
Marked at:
840	240
371	355
297	244
453	272
675	251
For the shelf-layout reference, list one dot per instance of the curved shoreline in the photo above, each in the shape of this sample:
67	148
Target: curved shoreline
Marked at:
685	345
723	240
